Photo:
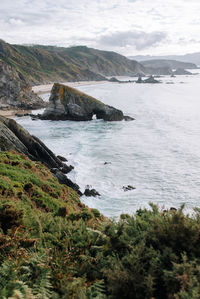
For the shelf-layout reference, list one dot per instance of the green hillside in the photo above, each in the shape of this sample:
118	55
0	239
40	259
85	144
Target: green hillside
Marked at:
42	64
53	246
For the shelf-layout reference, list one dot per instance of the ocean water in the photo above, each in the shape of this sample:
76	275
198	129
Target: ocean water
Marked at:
158	153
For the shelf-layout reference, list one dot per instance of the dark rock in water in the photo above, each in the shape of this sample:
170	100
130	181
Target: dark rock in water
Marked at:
181	71
128	188
62	158
148	80
113	79
105	163
139	80
63	179
91	192
151	80
128	118
66	169
67	103
15	92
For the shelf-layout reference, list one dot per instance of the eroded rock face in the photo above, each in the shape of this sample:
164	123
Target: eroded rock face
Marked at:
15	92
67	103
15	137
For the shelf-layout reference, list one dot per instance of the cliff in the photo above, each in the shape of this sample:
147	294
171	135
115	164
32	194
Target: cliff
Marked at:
15	92
67	103
44	64
14	137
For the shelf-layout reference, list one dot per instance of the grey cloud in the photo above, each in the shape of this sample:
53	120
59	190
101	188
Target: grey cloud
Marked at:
139	39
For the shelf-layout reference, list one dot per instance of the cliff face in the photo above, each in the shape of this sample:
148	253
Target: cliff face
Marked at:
15	92
14	137
68	103
43	64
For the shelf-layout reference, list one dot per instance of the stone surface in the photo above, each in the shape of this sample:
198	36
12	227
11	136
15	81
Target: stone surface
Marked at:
151	79
15	137
128	188
67	103
15	92
91	192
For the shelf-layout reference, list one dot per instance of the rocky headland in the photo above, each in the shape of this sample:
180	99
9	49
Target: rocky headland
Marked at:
15	91
67	103
14	137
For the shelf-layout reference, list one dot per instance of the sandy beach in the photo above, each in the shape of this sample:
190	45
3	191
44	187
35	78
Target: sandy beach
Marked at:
10	113
41	89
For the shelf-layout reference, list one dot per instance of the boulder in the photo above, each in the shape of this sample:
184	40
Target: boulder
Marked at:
67	103
15	92
91	192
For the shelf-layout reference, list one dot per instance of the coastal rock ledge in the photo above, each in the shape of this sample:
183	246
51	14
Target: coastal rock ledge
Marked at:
67	103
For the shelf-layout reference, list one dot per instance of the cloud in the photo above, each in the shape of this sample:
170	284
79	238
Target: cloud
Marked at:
127	26
139	39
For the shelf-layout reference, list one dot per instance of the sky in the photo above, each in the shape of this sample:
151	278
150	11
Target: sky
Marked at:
129	27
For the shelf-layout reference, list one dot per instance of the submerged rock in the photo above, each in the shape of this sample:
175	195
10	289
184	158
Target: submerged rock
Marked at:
128	188
67	103
91	192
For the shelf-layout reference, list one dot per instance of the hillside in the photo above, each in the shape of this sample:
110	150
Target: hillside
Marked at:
52	246
193	58
173	64
44	64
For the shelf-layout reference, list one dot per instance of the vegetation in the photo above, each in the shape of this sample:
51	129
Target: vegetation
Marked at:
41	64
52	246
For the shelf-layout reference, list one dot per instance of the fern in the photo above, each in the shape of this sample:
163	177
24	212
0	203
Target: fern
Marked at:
97	290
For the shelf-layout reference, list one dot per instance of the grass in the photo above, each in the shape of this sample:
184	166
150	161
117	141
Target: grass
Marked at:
53	246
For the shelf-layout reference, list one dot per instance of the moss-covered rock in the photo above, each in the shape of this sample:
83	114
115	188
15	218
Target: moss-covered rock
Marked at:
67	103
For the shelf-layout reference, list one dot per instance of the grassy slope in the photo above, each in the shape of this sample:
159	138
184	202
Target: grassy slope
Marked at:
52	246
47	64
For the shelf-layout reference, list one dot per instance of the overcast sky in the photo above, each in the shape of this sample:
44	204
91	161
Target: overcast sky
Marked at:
128	27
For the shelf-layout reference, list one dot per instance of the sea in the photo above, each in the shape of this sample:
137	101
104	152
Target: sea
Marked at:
158	153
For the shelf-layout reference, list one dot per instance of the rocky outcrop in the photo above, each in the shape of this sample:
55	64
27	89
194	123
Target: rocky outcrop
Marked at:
148	80
15	137
67	103
15	92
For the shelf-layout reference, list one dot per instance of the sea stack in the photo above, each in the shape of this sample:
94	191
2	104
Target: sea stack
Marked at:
67	103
